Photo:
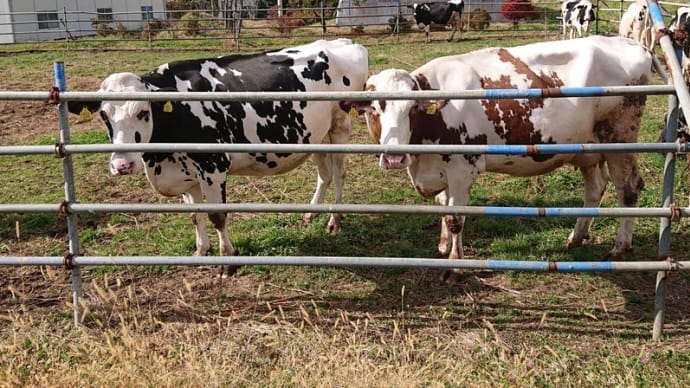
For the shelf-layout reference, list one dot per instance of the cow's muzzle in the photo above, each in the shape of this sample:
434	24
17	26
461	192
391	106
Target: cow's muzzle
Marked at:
122	167
394	161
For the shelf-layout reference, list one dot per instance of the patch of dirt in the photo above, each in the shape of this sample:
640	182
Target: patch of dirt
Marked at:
24	122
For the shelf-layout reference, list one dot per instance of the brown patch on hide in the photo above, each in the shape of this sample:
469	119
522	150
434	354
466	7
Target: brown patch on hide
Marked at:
511	117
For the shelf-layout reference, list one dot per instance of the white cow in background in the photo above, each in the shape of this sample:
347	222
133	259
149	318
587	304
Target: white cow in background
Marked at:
636	24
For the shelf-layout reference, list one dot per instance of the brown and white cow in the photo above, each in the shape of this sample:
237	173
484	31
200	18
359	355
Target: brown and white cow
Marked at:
593	61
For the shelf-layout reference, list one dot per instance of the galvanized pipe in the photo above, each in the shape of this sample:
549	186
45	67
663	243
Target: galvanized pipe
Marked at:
70	196
681	91
490	149
346	261
563	92
488	211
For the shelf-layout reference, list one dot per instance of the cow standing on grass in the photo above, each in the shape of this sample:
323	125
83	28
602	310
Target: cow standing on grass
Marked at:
439	13
636	24
576	15
593	61
337	65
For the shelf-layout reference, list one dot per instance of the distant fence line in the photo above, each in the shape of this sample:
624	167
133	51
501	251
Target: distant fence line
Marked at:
240	23
70	207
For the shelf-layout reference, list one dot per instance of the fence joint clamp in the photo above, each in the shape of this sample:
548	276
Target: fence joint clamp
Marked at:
60	150
54	96
64	207
67	261
675	212
672	264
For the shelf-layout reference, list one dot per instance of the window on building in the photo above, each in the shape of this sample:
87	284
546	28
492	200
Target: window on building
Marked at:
146	12
47	20
104	14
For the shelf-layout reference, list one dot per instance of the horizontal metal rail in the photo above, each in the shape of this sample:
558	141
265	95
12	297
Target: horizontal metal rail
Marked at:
491	149
588	91
344	261
490	211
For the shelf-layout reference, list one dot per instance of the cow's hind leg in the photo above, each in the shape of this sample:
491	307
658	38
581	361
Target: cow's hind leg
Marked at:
596	178
215	192
331	167
626	177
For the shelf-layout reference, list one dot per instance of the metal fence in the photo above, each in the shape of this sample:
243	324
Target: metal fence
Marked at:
70	208
245	23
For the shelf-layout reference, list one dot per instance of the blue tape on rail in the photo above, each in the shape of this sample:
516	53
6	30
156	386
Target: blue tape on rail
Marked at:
59	73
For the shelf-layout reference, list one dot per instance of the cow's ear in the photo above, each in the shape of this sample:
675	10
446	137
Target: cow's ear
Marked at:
357	106
430	107
83	107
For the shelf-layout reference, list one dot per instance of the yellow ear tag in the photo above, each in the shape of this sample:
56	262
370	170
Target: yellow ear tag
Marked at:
431	109
84	114
168	107
353	114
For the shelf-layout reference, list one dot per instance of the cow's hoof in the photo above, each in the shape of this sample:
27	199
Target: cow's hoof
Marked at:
227	271
334	224
452	276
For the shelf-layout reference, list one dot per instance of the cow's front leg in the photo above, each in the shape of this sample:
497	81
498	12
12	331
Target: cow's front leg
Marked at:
444	241
459	186
203	244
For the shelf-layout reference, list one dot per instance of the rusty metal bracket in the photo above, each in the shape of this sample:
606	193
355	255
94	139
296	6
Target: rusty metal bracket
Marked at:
675	212
54	96
673	265
67	261
64	207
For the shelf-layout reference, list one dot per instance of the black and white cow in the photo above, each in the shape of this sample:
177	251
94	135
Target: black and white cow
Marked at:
576	15
592	61
337	65
636	24
679	27
439	13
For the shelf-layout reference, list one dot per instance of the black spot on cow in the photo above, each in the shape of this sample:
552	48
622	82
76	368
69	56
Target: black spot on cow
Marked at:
272	164
137	137
316	71
346	81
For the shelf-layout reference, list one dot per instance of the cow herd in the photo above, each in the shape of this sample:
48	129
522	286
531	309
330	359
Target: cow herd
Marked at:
341	65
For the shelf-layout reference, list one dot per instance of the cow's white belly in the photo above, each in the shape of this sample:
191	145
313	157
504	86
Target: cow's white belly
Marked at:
245	164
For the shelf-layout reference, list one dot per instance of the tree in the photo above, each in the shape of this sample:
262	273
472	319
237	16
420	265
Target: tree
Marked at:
516	10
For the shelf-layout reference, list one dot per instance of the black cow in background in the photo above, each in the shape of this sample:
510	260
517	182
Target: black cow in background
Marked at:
439	13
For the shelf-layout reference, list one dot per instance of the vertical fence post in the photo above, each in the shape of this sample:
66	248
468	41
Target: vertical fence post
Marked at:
68	172
670	135
323	19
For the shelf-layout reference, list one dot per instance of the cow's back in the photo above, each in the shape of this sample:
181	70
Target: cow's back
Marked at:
593	61
337	65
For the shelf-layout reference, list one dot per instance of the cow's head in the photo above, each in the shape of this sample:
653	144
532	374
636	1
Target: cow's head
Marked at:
126	121
388	121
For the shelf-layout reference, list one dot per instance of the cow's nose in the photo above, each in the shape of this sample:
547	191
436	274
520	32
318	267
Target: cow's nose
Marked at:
122	167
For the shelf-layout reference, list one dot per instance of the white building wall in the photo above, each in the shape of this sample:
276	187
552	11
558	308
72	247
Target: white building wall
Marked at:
76	14
6	35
